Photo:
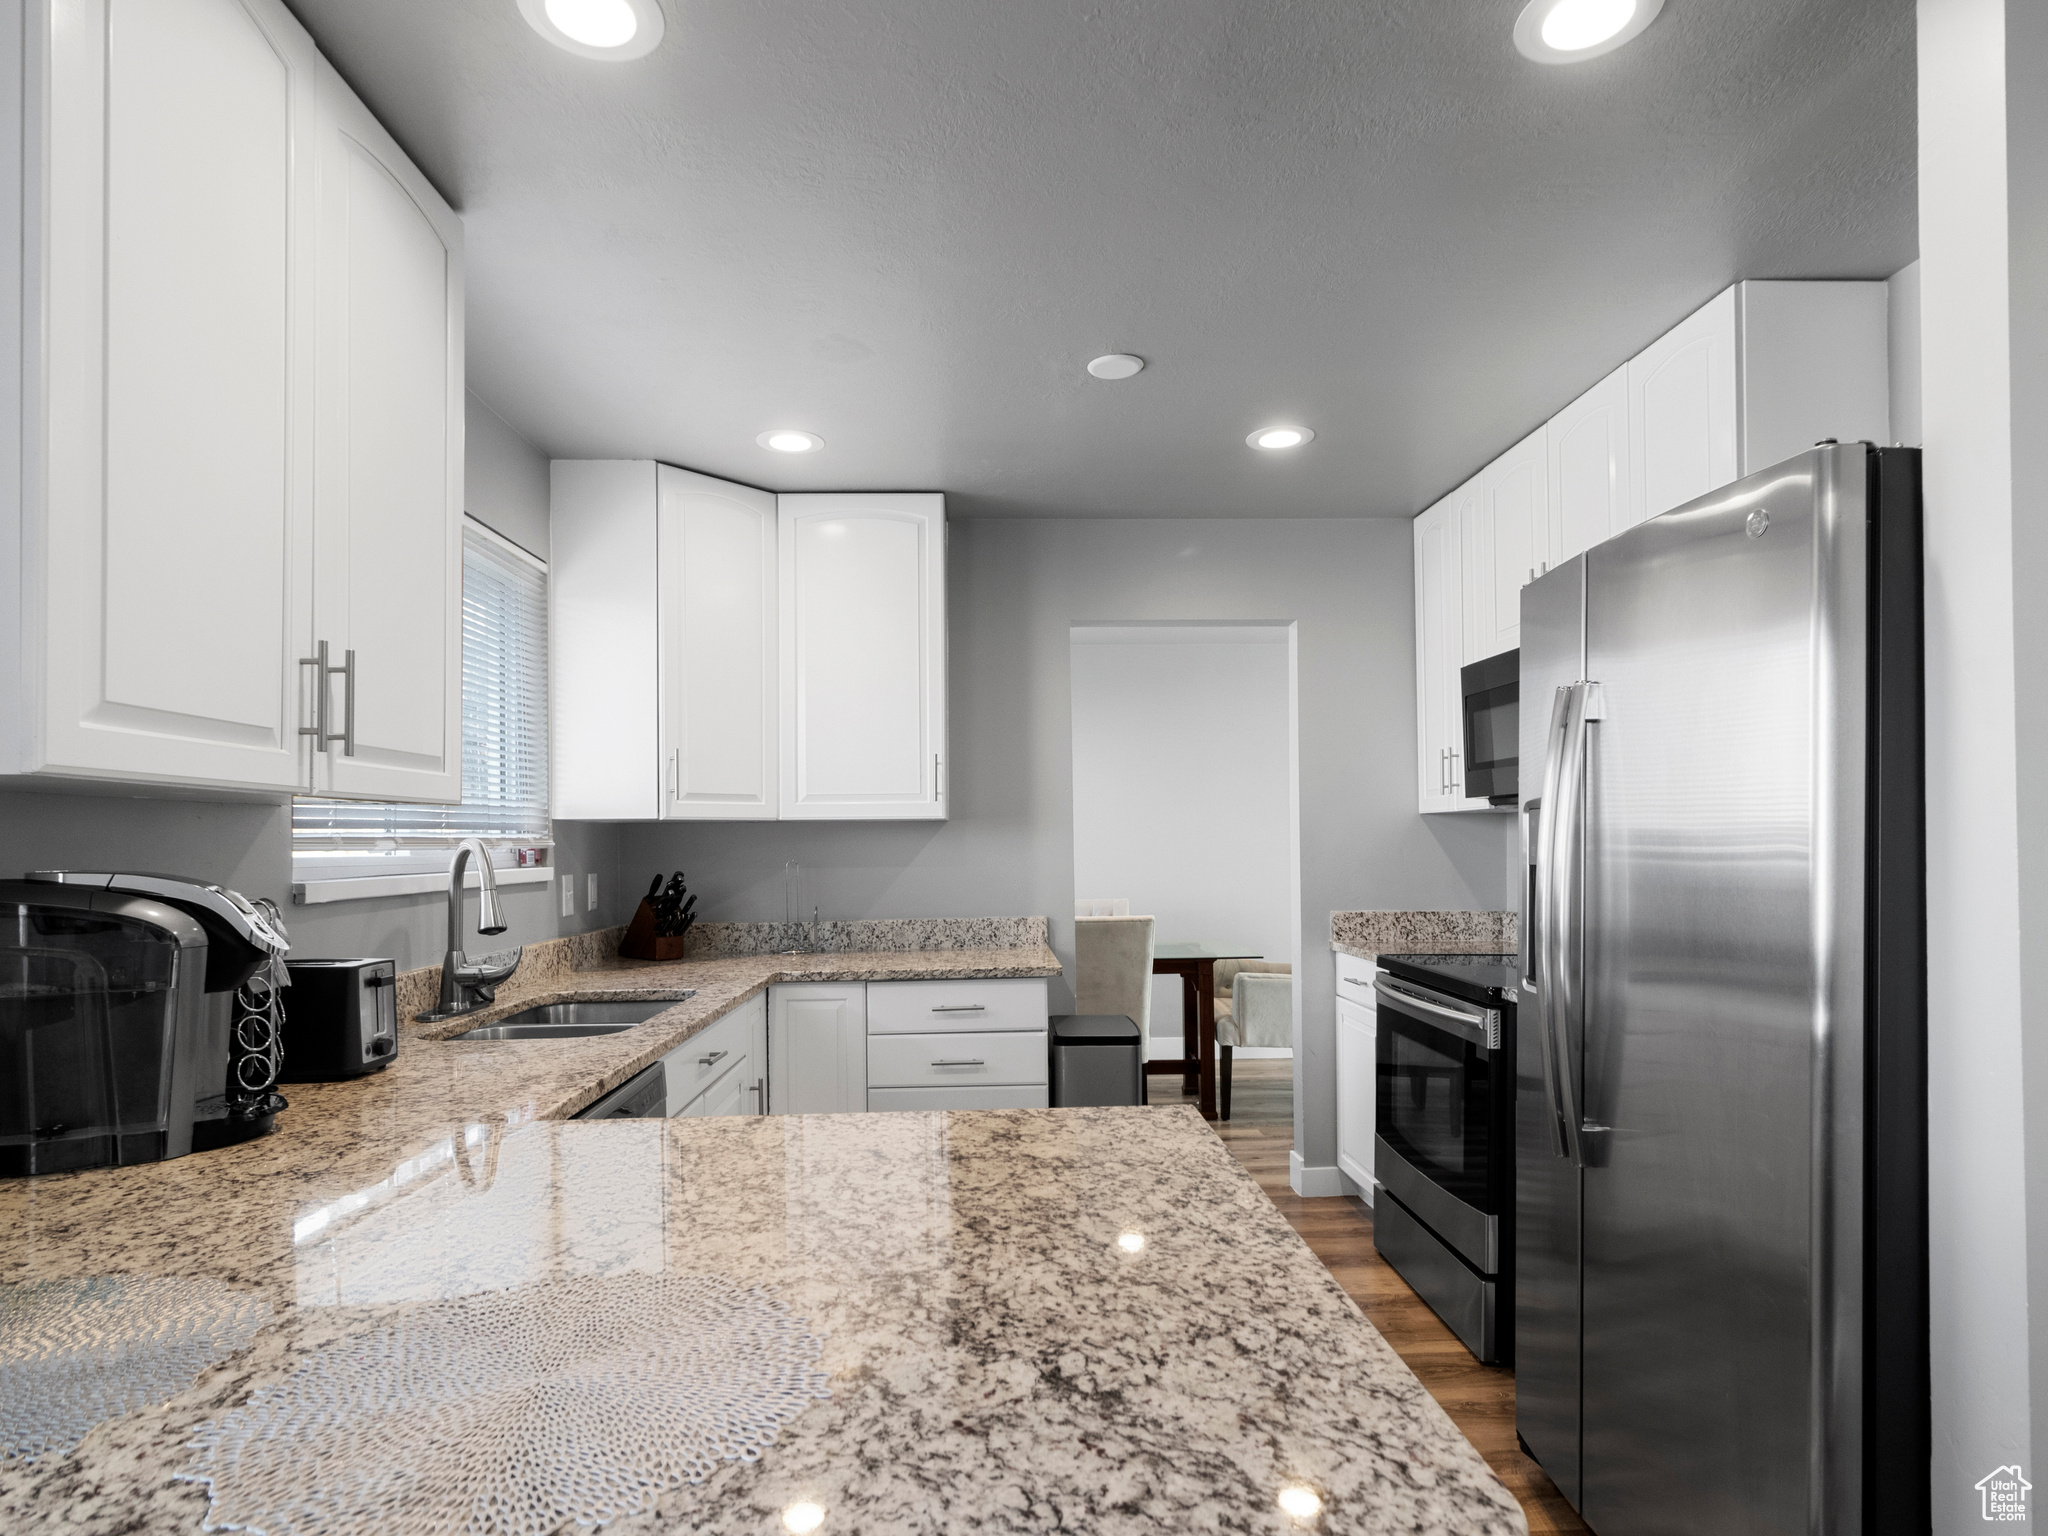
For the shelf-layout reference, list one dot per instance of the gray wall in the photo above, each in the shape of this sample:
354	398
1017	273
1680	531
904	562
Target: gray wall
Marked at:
505	479
248	846
1903	295
1013	589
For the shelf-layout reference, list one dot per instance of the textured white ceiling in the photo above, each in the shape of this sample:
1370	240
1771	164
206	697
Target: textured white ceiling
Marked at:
908	224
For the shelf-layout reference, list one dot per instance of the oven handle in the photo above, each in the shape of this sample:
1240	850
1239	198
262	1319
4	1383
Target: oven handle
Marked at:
1472	1025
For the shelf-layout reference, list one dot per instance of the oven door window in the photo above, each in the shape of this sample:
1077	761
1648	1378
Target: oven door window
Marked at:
1436	1104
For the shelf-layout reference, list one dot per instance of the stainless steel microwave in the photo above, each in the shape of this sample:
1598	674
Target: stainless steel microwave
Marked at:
1493	723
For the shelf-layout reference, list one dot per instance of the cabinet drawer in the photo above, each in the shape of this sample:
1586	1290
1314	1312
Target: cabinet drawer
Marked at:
731	1094
922	1007
693	1065
927	1061
956	1098
1354	982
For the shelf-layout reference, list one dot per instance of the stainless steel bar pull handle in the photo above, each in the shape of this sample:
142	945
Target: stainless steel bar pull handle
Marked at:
322	671
705	1061
935	777
961	1008
960	1061
318	729
348	705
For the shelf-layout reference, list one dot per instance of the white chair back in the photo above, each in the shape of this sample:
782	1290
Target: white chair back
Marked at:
1113	968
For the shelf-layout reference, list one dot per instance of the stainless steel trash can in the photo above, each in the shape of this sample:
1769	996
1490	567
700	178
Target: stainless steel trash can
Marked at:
1096	1059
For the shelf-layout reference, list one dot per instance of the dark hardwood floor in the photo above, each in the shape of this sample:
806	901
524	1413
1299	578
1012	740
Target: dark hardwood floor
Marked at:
1479	1398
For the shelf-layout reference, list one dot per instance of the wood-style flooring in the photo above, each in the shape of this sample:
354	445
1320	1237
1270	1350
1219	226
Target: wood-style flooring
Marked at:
1479	1398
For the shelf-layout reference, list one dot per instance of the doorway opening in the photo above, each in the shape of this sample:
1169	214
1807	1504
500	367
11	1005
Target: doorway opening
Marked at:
1185	810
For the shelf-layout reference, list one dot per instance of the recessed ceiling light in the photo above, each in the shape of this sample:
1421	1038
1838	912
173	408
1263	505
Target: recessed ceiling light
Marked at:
597	29
1117	365
789	440
1566	31
1274	438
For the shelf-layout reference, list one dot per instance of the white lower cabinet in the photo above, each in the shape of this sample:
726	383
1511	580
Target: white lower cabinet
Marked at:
957	1044
817	1048
722	1070
883	1099
1357	1071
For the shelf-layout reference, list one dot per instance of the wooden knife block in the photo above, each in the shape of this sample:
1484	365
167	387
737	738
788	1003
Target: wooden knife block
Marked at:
642	943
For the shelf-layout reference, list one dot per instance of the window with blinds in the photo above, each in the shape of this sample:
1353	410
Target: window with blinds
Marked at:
504	732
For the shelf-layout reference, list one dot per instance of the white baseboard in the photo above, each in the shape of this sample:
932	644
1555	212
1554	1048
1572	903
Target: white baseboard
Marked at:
1313	1183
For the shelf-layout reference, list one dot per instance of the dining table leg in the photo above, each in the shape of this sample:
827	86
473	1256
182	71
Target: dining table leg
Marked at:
1190	1031
1205	1004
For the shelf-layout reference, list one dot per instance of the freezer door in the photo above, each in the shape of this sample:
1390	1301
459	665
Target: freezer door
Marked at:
1546	1225
1712	790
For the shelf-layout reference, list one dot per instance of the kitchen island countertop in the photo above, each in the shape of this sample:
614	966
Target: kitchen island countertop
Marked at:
1032	1320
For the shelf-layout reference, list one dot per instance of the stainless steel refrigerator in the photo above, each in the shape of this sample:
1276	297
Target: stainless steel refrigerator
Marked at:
1720	1214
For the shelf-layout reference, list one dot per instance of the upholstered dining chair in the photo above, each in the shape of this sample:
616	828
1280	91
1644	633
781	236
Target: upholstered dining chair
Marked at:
1113	968
1254	1006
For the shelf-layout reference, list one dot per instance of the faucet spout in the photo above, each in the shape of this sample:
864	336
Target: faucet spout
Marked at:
465	985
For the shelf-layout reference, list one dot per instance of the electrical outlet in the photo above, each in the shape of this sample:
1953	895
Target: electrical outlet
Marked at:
590	882
568	895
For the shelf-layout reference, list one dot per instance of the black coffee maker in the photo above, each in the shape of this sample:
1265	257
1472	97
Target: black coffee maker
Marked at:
138	1019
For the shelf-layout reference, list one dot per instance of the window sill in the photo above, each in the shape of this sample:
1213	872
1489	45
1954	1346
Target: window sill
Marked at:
309	893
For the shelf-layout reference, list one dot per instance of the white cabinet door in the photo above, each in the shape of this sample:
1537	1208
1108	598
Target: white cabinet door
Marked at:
716	606
1507	545
732	1094
163	599
1356	1076
387	509
863	656
1439	647
817	1048
1682	412
1587	444
604	672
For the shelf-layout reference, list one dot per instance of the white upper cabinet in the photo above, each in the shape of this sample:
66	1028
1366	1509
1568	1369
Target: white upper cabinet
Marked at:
387	498
1587	445
1439	647
604	652
163	428
1682	427
863	656
1507	545
721	653
716	614
206	323
1759	374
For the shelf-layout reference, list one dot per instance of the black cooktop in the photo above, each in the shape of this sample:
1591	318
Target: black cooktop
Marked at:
1486	979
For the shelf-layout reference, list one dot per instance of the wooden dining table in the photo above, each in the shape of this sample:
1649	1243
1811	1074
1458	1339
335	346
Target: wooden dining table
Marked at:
1194	962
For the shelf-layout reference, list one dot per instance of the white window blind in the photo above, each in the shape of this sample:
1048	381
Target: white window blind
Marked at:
504	727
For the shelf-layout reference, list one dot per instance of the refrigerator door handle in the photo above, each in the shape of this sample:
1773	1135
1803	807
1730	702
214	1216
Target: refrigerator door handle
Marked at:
1542	964
1561	996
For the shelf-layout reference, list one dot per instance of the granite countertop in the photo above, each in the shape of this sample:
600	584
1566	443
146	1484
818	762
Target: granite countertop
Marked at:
997	1360
1365	935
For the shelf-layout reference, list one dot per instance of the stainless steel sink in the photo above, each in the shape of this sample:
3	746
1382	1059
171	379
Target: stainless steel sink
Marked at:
571	1021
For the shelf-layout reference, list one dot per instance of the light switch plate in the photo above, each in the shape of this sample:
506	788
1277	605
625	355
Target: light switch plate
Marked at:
568	895
591	885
